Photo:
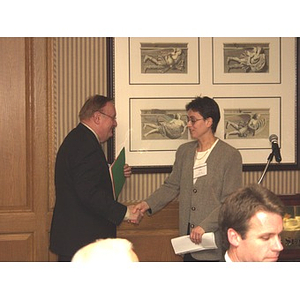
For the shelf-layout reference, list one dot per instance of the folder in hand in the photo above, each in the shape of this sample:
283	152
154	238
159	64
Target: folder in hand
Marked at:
117	173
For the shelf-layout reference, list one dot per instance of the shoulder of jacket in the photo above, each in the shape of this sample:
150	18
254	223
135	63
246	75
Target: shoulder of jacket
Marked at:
226	146
227	150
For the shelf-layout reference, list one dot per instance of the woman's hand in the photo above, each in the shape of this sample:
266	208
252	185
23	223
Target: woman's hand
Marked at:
196	234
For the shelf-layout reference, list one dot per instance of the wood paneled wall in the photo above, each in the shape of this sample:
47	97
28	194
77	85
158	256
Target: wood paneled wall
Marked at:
24	145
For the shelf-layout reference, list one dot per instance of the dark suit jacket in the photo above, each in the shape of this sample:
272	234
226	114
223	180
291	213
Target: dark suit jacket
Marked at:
85	209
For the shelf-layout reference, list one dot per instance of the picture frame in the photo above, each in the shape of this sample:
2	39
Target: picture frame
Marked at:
161	60
246	60
158	128
285	105
247	123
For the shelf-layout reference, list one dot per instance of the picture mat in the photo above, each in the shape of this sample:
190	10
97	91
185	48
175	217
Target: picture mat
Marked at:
136	75
272	76
165	144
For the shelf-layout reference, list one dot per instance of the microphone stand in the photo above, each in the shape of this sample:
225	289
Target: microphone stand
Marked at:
266	167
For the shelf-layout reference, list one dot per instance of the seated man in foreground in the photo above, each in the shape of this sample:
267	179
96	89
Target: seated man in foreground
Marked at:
251	221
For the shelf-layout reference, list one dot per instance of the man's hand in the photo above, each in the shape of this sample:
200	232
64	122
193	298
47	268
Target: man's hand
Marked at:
134	215
127	171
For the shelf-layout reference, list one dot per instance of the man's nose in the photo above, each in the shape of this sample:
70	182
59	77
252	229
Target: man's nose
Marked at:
277	246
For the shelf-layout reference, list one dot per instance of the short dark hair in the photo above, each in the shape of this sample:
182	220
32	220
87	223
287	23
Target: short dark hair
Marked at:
91	105
239	207
206	107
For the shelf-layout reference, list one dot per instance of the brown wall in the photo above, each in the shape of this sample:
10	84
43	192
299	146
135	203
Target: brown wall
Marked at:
24	208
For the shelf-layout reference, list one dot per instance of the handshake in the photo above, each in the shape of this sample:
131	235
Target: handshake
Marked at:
136	212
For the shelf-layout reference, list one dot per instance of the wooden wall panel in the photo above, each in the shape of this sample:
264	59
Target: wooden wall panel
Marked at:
23	151
13	177
17	247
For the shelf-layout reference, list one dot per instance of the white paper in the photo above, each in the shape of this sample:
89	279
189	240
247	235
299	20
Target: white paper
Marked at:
183	244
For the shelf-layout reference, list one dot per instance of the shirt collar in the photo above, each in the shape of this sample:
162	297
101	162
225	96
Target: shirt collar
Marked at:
227	258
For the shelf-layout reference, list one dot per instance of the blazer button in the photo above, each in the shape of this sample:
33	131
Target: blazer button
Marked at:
194	190
192	225
193	208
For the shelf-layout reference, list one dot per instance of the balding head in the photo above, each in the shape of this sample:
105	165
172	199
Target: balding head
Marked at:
106	250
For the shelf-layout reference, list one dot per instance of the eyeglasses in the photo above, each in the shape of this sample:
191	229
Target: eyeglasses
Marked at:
113	118
192	120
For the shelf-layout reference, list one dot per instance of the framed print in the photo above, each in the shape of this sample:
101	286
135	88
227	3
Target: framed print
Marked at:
164	60
246	60
247	123
158	126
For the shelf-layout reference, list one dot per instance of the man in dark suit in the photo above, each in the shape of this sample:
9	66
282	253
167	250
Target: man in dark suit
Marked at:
85	208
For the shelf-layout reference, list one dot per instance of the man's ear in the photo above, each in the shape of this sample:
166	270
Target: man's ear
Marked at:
96	117
233	237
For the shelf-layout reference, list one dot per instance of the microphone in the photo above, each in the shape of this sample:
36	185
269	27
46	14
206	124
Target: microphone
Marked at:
275	148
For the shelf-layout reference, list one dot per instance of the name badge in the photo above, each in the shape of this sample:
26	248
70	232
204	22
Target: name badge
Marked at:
200	170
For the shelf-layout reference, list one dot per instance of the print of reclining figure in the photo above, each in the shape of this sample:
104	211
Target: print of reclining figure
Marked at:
251	60
171	60
245	128
172	129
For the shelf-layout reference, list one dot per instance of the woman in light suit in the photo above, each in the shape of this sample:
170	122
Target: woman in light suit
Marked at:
205	172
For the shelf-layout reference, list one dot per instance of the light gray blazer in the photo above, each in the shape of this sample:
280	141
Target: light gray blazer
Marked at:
199	203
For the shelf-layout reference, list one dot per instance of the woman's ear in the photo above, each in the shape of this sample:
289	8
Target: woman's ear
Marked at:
233	237
209	122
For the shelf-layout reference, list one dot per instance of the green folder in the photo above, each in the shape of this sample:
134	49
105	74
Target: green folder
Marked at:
117	173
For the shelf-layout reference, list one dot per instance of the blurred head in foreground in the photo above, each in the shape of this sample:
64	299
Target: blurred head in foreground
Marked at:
106	250
251	221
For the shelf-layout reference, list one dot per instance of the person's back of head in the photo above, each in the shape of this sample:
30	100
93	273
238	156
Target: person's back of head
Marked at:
106	250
